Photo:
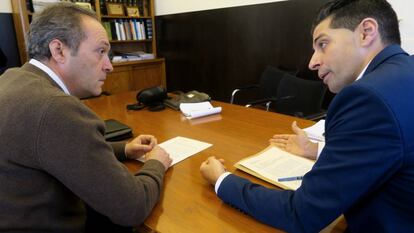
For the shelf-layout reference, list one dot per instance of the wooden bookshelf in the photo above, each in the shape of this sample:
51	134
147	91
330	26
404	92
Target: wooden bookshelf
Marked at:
126	76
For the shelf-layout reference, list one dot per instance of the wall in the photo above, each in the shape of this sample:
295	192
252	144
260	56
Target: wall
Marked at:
217	50
404	11
8	39
167	7
402	7
5	6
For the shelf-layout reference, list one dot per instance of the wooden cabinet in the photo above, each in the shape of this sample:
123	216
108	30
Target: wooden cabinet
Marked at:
127	75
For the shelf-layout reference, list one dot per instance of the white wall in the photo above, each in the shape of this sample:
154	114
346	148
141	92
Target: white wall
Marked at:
166	7
5	6
403	8
405	14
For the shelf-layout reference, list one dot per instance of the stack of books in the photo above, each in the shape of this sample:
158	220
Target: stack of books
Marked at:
132	56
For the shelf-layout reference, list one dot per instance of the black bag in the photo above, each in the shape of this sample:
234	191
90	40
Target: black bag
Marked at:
116	131
152	97
188	97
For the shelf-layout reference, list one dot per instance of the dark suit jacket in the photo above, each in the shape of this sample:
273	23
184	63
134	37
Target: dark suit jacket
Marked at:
365	171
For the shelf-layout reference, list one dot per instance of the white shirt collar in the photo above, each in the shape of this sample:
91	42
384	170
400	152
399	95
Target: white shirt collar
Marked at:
363	71
50	72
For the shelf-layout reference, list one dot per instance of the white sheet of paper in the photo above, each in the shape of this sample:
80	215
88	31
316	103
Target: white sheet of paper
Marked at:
195	110
275	163
316	131
181	148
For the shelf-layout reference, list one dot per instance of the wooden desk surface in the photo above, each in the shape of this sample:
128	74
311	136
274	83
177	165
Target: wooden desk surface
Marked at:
189	203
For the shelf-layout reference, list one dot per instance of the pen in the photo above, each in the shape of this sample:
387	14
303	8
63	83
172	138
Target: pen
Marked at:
292	178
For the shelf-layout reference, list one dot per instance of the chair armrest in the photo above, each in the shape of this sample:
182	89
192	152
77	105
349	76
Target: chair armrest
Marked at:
233	93
258	102
268	101
316	117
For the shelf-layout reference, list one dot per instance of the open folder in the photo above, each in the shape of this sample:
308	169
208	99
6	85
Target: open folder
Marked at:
273	164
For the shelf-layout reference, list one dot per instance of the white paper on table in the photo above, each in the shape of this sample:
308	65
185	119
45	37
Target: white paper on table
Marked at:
274	163
181	148
316	131
195	110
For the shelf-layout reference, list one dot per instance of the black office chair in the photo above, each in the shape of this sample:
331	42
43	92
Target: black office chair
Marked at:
306	97
285	93
266	88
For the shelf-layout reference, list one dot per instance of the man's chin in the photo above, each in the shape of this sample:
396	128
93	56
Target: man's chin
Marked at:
92	94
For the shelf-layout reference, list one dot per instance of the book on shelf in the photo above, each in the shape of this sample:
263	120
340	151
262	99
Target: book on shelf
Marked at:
129	29
148	23
277	167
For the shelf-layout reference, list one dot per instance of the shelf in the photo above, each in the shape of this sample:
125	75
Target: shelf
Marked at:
128	63
130	41
125	17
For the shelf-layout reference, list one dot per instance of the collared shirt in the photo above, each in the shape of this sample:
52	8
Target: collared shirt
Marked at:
320	144
50	72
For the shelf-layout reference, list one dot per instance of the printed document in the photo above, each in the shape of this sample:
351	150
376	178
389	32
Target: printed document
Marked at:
181	148
273	163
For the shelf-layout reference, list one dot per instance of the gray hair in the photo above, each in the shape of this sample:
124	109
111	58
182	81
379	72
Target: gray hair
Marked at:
60	21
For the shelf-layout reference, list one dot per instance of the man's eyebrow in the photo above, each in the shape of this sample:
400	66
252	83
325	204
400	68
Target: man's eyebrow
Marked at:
317	38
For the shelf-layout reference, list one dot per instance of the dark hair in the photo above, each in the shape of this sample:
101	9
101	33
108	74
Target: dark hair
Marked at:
349	14
59	21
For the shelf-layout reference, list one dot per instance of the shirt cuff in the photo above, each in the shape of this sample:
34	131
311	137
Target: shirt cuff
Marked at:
321	145
219	180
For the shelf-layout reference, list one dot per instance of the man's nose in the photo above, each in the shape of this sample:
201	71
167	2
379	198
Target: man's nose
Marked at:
108	65
314	62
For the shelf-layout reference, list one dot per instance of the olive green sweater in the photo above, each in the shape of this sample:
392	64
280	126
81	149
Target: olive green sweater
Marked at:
53	159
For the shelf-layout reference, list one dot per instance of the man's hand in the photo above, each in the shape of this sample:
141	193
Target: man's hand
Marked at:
212	168
298	143
140	146
161	155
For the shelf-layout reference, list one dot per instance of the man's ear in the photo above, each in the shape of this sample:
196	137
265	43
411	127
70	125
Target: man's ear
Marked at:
368	30
58	51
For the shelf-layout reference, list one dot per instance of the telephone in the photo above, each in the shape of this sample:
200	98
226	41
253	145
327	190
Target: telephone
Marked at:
152	98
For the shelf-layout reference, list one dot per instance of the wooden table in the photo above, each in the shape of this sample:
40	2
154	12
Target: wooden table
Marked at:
188	203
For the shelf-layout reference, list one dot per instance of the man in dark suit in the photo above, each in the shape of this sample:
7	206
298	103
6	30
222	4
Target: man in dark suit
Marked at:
366	169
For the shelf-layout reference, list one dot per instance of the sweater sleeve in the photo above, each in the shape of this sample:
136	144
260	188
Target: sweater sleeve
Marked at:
71	147
119	150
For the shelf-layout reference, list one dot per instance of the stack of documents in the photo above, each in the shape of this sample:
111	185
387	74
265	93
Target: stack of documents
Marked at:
316	131
195	110
277	167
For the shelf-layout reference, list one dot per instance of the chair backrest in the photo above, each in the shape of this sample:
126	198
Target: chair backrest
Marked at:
307	96
269	82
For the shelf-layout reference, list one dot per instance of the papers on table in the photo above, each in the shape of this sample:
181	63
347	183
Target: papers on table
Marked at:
273	163
195	110
181	148
316	131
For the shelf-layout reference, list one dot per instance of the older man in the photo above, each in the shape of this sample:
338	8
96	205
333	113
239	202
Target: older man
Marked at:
54	157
